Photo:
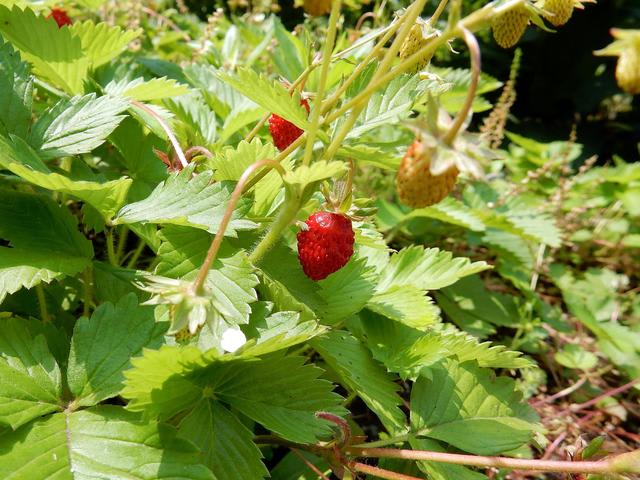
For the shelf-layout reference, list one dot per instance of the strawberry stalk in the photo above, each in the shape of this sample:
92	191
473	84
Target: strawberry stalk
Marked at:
474	50
324	71
228	213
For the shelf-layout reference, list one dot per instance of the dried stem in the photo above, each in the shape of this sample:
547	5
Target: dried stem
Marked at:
166	128
603	466
235	196
474	51
610	393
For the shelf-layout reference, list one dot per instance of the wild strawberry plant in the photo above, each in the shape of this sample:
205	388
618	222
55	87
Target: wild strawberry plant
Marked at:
191	285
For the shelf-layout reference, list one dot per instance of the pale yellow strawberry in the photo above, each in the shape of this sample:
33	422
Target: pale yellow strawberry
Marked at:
628	70
559	11
414	42
417	187
510	26
316	8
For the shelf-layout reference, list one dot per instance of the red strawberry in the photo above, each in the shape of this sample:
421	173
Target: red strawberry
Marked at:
283	132
326	245
60	16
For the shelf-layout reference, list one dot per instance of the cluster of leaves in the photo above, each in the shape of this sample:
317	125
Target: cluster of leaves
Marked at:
94	381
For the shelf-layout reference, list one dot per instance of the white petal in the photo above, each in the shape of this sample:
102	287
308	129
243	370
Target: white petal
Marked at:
232	340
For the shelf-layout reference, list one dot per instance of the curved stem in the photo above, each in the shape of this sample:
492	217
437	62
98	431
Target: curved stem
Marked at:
235	196
166	128
436	15
197	150
603	466
345	430
474	50
324	71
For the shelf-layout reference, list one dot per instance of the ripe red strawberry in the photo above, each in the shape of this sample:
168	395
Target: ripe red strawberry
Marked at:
326	245
60	16
283	132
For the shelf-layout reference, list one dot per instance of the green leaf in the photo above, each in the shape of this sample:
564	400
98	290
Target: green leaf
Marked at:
55	53
453	99
231	164
405	304
44	242
158	381
461	404
346	292
101	42
429	269
102	346
185	199
17	157
16	92
408	351
475	309
76	125
576	357
303	179
144	91
359	372
30	379
387	106
271	96
197	123
101	442
280	393
226	444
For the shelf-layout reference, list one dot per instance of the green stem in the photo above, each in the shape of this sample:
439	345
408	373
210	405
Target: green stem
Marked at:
136	254
286	215
436	15
42	303
324	71
87	277
111	253
235	196
387	441
122	242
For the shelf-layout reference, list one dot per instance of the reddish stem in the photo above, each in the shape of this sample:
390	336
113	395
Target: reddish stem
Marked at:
609	393
380	472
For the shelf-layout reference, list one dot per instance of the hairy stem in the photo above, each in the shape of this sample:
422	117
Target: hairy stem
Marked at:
324	72
42	303
380	472
439	9
166	128
603	466
235	196
474	50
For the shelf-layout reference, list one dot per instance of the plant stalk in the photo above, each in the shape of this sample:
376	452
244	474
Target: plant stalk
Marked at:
235	196
166	128
324	72
42	303
380	472
602	466
474	50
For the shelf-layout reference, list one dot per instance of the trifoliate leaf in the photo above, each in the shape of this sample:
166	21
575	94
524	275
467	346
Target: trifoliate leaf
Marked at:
359	372
44	239
16	92
405	304
55	53
101	442
185	199
461	404
17	157
101	42
76	125
144	91
30	379
102	346
407	350
429	269
226	444
271	96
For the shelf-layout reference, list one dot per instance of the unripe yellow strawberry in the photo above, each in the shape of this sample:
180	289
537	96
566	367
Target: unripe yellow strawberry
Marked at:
510	26
414	42
416	185
315	8
560	11
628	70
